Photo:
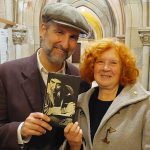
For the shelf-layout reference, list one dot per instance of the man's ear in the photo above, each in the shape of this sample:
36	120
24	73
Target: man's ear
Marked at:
42	30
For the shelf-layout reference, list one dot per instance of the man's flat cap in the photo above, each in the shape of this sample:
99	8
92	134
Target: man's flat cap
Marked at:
65	14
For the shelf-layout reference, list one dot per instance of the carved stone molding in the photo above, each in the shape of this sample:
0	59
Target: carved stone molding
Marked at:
19	34
120	38
144	34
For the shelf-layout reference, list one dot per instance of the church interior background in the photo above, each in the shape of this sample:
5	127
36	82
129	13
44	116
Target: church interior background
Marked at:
127	21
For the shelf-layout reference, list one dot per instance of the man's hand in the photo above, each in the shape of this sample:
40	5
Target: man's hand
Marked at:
35	124
73	134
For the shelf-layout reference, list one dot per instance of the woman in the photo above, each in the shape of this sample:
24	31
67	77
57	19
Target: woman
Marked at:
115	115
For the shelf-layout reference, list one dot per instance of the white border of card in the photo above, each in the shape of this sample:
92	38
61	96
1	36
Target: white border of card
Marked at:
60	98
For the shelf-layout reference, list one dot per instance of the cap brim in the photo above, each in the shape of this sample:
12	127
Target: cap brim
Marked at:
70	25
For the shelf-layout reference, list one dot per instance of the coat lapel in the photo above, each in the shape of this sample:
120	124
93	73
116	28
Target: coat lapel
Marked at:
32	91
32	84
129	95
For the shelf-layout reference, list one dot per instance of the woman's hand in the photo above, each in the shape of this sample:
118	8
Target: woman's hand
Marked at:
73	134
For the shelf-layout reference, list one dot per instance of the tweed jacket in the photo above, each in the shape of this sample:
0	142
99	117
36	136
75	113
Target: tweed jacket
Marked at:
21	93
126	124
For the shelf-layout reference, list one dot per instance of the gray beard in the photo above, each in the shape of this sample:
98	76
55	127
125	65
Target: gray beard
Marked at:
54	59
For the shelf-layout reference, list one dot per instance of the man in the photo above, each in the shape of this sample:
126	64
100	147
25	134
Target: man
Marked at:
22	82
59	99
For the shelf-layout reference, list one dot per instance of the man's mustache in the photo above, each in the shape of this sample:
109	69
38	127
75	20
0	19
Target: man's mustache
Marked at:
61	48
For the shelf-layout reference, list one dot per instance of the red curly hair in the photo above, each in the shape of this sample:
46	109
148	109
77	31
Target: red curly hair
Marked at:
129	72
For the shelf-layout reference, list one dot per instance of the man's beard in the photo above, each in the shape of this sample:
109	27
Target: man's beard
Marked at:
55	59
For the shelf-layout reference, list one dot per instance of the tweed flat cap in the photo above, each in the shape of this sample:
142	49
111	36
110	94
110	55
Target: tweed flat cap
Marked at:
65	14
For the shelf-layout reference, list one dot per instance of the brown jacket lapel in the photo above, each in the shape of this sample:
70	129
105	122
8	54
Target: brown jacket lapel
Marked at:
32	84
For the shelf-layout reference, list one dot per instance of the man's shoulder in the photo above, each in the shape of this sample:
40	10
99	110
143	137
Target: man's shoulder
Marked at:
72	69
17	63
20	60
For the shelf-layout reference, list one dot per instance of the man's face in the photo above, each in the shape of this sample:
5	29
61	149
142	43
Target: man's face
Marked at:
58	42
54	85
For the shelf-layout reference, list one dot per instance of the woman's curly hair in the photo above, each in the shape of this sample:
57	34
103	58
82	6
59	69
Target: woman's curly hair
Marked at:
129	72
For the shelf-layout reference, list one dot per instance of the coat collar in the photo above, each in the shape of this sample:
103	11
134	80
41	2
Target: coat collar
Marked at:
129	95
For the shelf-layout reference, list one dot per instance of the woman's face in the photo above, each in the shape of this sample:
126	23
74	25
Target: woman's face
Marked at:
107	69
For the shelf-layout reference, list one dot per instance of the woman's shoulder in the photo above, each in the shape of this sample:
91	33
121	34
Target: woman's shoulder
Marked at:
86	95
140	89
135	92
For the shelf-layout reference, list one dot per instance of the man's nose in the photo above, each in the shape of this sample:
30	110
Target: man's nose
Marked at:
65	42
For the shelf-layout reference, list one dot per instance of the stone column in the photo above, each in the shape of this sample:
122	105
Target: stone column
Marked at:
146	13
9	10
18	36
145	38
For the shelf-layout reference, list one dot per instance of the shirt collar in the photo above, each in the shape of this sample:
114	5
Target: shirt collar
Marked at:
42	69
